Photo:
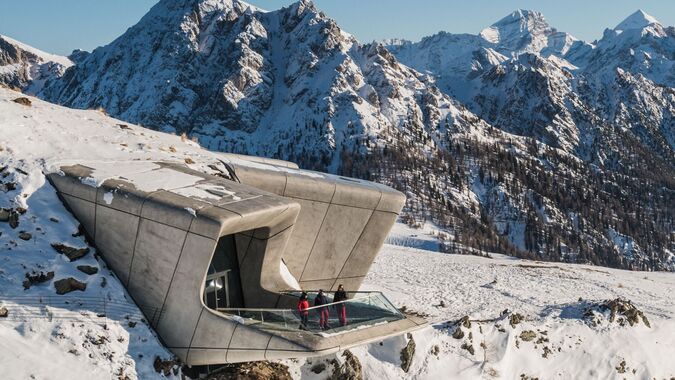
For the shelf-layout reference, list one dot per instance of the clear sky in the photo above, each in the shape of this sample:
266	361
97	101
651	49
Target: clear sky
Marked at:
59	26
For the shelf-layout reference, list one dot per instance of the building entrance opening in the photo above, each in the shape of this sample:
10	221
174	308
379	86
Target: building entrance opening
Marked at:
223	285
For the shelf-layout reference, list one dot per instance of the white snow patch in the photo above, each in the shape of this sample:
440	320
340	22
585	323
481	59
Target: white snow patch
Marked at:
288	277
108	197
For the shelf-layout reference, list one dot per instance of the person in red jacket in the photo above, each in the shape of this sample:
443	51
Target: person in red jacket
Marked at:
303	306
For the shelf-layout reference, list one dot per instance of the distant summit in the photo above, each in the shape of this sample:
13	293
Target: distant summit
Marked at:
521	23
637	20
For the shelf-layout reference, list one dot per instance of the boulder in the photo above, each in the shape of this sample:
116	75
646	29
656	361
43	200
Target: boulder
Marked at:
23	235
67	285
88	269
4	215
528	335
37	278
469	347
515	319
13	219
23	101
70	252
4	312
318	368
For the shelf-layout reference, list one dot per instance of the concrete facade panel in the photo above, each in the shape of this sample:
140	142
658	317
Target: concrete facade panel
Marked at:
369	244
241	242
338	235
209	323
304	234
120	195
309	188
244	355
158	247
183	305
171	209
115	237
357	193
391	201
84	211
273	182
317	284
71	182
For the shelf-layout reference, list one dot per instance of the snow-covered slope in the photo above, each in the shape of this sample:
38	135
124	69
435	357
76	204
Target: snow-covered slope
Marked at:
92	334
26	67
562	334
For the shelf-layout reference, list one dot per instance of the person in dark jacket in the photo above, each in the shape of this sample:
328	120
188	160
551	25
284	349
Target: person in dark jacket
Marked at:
303	305
320	300
341	307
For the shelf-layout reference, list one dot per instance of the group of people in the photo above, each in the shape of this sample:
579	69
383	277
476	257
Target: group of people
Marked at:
322	301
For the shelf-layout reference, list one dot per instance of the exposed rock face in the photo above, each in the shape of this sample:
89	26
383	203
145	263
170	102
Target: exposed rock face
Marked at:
610	105
620	311
252	371
407	354
349	370
166	367
68	285
257	82
26	68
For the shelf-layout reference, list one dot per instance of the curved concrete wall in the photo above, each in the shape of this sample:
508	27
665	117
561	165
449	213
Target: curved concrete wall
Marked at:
160	242
342	224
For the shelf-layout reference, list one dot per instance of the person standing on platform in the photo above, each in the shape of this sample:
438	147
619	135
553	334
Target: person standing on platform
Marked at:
340	296
321	300
303	306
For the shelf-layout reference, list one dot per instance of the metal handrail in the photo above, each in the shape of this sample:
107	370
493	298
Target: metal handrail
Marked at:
277	310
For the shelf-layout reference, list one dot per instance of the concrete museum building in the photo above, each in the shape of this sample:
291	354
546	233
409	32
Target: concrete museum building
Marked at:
217	263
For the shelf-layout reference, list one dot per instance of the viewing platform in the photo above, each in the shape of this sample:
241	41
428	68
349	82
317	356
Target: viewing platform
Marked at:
363	310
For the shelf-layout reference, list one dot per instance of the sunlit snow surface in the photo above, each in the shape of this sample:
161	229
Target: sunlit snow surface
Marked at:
547	294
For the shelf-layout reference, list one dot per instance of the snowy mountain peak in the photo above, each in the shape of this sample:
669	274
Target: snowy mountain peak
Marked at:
637	20
517	25
522	17
25	67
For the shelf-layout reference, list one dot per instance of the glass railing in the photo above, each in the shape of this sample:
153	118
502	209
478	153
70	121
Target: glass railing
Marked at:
362	310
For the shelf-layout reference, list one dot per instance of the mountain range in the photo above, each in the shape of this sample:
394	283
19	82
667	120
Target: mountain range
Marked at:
521	140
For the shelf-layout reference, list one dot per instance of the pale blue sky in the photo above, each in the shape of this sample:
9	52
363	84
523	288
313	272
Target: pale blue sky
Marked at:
63	25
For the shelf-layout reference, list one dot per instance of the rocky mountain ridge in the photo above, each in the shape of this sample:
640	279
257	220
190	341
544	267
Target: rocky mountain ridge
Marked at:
27	68
530	167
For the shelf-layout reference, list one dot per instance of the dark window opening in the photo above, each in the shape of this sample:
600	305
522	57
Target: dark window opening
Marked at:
222	289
